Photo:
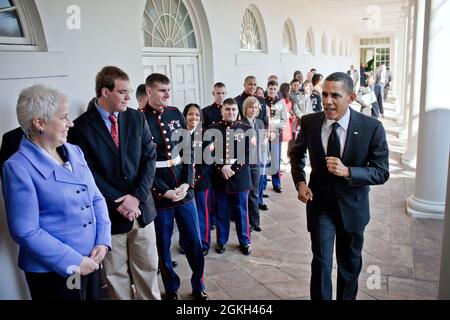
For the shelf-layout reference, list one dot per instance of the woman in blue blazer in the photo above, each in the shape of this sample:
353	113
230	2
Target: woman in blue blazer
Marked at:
55	211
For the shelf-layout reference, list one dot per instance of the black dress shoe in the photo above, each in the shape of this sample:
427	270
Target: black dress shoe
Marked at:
213	226
246	249
257	228
265	195
200	295
171	295
263	207
220	248
277	190
182	250
205	252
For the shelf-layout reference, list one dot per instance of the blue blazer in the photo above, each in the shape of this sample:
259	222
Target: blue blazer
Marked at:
55	216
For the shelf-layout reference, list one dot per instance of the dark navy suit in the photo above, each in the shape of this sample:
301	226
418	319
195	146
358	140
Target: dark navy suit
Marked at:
10	144
340	206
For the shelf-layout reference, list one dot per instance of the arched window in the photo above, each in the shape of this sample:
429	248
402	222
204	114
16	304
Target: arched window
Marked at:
253	35
167	24
310	46
333	46
289	38
347	50
20	26
324	47
341	48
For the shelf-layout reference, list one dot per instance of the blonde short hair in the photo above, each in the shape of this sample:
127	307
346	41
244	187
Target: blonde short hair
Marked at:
37	101
249	101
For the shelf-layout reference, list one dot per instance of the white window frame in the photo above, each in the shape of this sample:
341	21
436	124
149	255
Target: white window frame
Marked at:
310	46
260	28
30	23
288	27
333	47
324	44
175	49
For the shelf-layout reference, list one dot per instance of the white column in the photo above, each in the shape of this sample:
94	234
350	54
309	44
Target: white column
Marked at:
428	200
401	62
409	157
408	71
444	274
403	59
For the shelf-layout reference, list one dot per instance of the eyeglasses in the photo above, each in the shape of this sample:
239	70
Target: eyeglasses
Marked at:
124	92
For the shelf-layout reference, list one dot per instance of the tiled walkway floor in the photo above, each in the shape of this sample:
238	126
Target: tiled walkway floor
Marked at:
406	251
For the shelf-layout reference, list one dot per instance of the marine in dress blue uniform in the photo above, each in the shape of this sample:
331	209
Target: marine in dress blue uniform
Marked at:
211	114
232	193
171	173
202	188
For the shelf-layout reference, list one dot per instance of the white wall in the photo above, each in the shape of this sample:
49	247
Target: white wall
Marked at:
225	38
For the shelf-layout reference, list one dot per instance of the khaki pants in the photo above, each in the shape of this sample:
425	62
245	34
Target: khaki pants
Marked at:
133	258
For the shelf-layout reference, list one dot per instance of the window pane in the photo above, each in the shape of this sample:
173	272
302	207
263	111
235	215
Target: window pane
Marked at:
9	24
6	4
167	24
250	35
288	47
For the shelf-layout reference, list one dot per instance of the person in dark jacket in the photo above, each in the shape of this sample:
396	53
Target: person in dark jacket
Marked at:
118	148
231	179
173	188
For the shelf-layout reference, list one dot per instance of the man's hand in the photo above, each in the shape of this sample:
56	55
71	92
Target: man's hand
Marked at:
98	253
335	166
382	115
129	207
175	195
304	193
227	173
183	188
88	266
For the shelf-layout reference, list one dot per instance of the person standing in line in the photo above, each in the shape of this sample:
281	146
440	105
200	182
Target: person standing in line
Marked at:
202	171
251	109
250	90
118	148
54	209
231	178
173	188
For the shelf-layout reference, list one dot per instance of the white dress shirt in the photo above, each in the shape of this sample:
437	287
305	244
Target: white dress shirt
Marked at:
341	131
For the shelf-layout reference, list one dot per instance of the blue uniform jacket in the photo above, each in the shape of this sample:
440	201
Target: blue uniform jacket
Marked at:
55	216
211	114
163	124
232	133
